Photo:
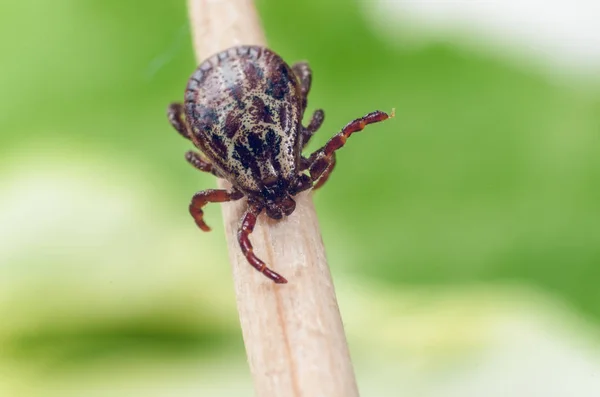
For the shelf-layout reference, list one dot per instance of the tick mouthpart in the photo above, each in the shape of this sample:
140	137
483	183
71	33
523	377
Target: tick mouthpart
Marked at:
274	189
277	209
273	211
288	205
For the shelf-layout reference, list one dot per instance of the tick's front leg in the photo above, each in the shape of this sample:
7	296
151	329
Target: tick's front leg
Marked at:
246	228
202	198
325	174
321	162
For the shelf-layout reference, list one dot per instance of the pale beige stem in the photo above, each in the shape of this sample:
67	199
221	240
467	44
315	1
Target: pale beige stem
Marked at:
293	332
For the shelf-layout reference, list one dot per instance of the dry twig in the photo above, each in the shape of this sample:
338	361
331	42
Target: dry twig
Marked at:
293	332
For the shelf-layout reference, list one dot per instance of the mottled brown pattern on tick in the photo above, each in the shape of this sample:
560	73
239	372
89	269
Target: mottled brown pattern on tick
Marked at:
232	124
254	75
261	111
246	101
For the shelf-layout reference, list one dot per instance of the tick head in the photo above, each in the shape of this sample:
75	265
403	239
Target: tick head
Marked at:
277	209
275	196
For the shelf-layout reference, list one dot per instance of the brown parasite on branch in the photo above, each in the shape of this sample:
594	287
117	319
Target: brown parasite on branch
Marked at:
243	109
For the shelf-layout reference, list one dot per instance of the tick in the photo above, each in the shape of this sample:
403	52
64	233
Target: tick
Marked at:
243	110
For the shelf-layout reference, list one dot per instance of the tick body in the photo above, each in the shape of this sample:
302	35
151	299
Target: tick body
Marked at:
243	110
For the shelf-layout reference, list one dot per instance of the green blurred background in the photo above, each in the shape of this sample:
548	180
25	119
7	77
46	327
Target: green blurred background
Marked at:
463	235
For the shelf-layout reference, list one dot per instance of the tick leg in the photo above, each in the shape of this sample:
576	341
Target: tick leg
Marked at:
304	164
199	163
302	183
202	198
315	123
246	228
321	160
325	175
177	119
304	74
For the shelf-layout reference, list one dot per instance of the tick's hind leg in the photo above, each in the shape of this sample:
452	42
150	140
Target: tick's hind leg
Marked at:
177	119
246	228
321	163
204	197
